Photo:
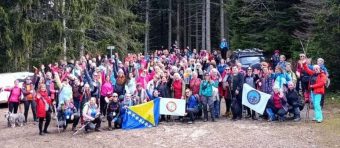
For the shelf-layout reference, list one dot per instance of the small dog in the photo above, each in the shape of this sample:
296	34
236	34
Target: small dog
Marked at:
14	119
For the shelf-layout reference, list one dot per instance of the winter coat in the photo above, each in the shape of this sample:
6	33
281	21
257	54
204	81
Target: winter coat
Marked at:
15	94
41	104
195	85
318	80
178	88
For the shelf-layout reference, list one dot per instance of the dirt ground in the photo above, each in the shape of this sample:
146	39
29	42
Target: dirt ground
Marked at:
223	133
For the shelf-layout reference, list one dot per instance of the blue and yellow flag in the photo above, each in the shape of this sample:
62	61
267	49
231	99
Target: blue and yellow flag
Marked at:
142	115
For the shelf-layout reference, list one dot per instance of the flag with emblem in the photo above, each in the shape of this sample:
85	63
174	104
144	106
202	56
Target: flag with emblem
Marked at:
254	99
142	115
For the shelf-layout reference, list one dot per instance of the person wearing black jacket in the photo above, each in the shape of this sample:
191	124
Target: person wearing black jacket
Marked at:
293	101
163	88
236	92
113	111
164	91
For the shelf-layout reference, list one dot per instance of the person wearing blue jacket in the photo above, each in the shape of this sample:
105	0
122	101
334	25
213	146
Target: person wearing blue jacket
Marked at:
206	89
224	46
192	105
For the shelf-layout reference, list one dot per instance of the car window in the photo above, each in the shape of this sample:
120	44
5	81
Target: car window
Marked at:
249	60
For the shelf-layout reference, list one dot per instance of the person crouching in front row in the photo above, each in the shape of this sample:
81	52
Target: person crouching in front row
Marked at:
113	111
91	114
293	101
192	105
68	113
277	105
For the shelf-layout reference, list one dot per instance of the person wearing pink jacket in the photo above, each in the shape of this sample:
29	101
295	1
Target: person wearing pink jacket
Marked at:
14	97
107	88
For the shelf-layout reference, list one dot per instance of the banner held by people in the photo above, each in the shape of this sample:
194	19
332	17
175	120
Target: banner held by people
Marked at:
254	99
170	106
142	115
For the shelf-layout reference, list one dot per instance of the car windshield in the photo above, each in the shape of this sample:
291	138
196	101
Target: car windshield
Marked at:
249	60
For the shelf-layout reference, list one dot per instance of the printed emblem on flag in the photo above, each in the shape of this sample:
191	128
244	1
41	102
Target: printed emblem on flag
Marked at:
171	106
253	97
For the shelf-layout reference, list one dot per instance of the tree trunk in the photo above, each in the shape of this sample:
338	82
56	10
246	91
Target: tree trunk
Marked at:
146	38
82	50
208	40
203	27
222	18
170	24
64	27
178	33
196	28
184	24
189	27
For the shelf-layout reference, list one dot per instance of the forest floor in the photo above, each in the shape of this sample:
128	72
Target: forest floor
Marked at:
223	133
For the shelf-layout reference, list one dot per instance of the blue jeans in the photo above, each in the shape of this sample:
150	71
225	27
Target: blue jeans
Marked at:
76	103
217	108
274	111
208	102
316	98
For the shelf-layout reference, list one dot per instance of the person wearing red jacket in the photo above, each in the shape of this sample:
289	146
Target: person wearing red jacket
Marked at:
317	86
44	105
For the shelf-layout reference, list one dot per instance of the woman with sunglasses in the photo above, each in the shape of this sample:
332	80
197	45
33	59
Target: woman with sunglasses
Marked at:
226	91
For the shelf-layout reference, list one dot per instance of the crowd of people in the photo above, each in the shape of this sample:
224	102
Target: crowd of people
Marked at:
97	89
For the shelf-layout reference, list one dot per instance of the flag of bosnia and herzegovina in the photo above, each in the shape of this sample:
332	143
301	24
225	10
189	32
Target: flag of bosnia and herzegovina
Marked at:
142	115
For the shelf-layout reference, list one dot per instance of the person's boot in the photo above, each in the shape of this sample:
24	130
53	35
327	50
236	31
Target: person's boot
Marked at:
297	119
40	133
97	130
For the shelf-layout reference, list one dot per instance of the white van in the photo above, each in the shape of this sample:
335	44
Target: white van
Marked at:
7	81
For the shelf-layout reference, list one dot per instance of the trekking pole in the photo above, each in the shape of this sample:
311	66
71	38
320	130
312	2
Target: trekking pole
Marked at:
307	112
81	128
56	119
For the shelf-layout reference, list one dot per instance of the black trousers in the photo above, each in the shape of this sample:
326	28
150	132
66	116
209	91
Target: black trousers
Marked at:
224	53
117	123
96	121
103	105
75	121
33	105
237	106
13	107
47	122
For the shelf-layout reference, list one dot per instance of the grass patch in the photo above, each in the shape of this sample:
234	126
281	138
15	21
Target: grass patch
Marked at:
329	129
332	100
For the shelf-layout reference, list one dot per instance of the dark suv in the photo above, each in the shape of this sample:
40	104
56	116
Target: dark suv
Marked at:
249	57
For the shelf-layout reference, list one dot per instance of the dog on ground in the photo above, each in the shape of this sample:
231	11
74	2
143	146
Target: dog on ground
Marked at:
14	119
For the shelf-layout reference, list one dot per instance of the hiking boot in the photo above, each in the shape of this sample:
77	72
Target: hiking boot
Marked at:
213	120
97	130
205	120
190	122
74	129
110	129
254	118
297	119
46	132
